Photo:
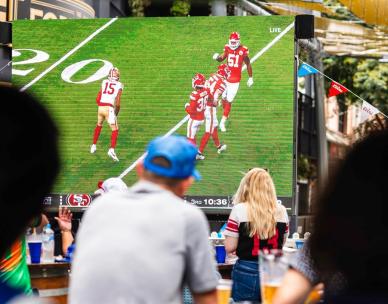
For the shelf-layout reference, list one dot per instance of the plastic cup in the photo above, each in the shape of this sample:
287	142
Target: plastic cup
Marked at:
35	251
299	244
220	254
273	266
224	291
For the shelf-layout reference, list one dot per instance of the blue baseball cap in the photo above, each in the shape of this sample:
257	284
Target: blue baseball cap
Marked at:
178	151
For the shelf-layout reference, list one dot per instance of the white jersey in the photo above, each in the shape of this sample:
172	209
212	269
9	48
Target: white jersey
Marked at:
109	91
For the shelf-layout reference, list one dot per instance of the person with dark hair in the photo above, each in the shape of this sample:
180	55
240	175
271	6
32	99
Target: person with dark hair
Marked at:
145	244
26	176
351	227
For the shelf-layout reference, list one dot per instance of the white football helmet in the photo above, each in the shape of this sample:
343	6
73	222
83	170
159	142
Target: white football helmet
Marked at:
114	74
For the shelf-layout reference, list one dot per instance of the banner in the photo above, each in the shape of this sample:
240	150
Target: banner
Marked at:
367	110
305	69
336	89
50	9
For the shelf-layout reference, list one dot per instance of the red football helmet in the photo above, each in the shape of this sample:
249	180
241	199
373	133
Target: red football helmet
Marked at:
234	40
198	81
223	70
114	74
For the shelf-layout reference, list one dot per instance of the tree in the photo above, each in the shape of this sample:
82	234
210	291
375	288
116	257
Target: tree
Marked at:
371	83
368	78
138	7
180	8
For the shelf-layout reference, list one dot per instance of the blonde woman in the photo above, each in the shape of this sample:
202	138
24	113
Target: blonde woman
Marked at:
256	222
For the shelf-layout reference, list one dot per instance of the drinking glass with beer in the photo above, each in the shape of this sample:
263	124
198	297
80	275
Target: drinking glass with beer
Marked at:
224	291
273	266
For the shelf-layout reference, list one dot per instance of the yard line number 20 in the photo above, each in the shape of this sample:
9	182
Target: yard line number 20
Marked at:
38	56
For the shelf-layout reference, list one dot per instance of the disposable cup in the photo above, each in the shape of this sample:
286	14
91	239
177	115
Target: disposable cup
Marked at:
35	251
220	254
224	291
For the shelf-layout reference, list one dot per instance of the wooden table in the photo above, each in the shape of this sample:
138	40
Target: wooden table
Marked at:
225	270
51	280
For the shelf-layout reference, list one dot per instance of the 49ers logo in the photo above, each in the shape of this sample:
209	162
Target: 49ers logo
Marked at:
78	200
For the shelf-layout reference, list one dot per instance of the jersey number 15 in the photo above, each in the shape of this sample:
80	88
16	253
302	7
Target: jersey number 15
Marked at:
109	88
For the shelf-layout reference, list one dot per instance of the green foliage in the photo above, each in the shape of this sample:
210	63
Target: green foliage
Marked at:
371	83
306	169
368	78
180	8
138	7
341	11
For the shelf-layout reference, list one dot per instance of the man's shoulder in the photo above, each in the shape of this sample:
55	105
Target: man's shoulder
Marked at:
106	201
192	212
245	49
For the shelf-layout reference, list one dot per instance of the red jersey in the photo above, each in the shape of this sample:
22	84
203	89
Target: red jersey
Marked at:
198	100
217	86
235	61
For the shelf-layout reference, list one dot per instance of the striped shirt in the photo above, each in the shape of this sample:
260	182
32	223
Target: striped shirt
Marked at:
248	247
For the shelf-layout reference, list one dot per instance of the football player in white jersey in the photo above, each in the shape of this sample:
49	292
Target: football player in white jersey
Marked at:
108	101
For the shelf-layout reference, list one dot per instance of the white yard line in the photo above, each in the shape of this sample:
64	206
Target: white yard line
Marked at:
269	45
179	124
176	127
67	55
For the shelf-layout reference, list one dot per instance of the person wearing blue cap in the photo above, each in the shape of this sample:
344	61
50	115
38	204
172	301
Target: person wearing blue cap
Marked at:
144	245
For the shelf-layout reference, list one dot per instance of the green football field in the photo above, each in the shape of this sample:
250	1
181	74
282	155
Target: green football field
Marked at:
157	58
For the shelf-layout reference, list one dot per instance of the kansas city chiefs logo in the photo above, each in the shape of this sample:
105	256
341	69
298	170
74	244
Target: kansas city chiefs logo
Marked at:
240	53
78	200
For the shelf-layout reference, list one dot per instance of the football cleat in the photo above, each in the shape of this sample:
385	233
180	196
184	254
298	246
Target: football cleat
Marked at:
112	154
234	40
198	81
93	148
221	148
200	156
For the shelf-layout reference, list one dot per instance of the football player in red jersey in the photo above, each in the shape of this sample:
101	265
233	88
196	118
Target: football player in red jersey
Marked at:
108	101
216	86
236	55
196	107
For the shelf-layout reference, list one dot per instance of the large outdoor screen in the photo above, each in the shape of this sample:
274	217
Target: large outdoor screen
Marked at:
63	63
